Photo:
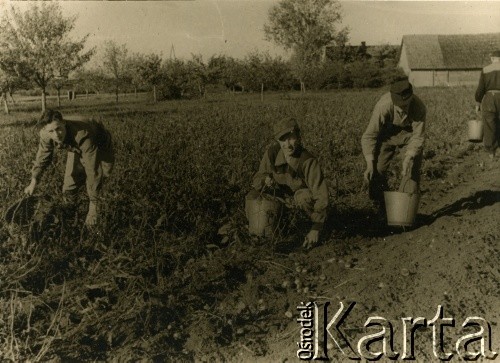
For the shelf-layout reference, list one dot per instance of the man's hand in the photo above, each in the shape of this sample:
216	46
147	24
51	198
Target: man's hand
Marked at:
31	187
91	219
478	107
407	163
368	174
311	239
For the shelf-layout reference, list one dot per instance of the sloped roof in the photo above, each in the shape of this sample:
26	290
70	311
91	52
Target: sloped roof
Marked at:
456	51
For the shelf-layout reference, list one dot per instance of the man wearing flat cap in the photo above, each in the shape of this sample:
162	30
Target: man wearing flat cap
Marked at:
488	102
397	123
291	171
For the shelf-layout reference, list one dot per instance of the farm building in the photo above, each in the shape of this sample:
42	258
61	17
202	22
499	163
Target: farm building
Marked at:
446	60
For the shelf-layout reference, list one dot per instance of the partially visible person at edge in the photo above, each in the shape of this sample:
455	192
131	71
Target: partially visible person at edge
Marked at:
290	171
397	123
90	157
488	102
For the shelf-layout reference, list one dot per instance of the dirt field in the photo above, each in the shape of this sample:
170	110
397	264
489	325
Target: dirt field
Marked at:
172	274
449	259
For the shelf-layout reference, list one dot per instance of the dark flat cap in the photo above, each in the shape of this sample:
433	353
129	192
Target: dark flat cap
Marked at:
496	53
285	125
401	92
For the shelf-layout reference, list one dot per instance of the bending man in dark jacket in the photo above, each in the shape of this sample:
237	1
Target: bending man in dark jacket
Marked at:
90	156
289	168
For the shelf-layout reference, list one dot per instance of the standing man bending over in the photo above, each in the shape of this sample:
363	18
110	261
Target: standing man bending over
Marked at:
397	122
90	157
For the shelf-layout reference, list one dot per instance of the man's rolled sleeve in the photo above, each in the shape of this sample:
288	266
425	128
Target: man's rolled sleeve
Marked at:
317	185
43	158
369	138
264	171
91	165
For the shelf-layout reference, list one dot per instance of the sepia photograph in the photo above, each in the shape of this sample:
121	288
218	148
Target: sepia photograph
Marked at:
249	181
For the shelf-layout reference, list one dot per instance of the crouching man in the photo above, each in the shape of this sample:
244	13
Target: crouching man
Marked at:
290	171
90	157
397	123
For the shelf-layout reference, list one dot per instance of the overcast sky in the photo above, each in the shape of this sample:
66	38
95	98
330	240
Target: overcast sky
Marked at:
234	27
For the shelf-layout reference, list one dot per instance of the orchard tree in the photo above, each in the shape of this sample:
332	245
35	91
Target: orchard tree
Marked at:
36	45
254	77
150	70
199	73
60	81
226	70
175	81
5	89
115	62
134	66
8	85
91	80
306	27
263	72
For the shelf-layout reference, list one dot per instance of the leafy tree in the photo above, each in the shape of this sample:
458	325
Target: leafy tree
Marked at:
335	75
263	72
226	71
134	67
255	77
279	74
8	85
36	45
58	83
199	73
365	74
305	27
216	65
386	55
91	80
174	82
115	62
150	70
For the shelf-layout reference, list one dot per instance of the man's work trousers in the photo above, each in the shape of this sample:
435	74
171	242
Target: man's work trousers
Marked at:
490	110
75	176
410	183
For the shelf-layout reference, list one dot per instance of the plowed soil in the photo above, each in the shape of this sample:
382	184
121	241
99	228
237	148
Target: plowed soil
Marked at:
449	259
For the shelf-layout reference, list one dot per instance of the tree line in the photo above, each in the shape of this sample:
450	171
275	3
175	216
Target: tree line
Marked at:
256	72
36	51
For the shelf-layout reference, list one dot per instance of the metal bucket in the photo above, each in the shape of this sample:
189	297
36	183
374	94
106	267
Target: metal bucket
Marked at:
401	208
475	131
263	214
